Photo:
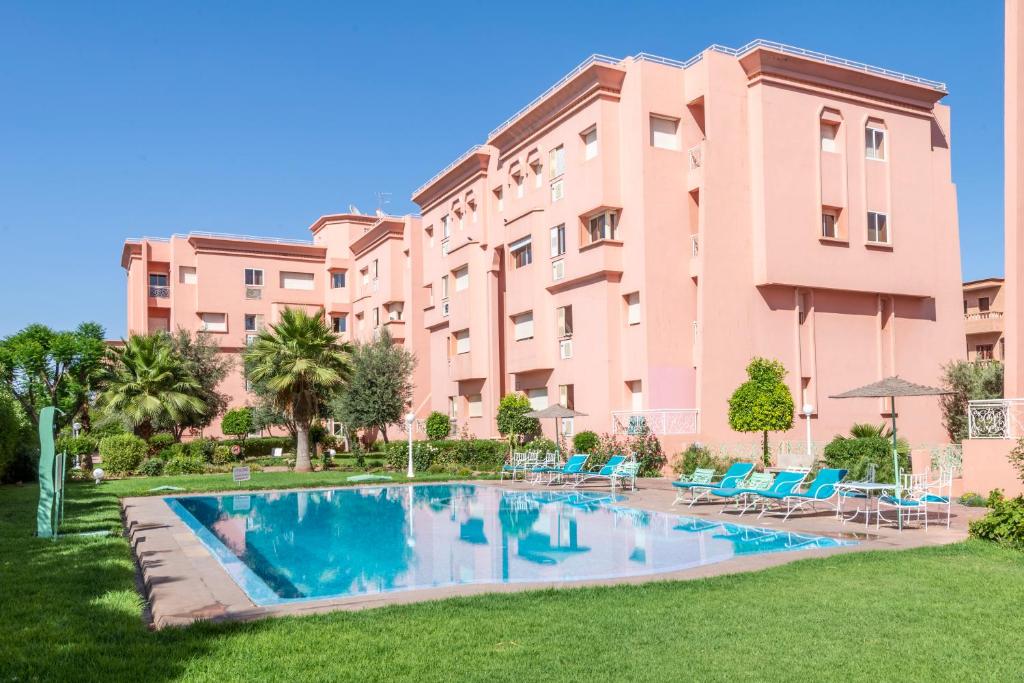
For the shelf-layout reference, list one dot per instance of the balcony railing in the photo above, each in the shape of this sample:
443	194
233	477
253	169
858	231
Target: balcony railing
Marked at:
695	156
659	422
694	245
158	292
983	315
1001	418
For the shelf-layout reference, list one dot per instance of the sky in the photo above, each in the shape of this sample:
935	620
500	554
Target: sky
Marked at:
145	119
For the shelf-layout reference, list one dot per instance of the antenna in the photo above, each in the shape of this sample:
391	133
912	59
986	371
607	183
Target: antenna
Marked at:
354	210
383	199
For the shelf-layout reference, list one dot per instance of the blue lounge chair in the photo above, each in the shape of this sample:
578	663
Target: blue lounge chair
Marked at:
572	468
699	477
733	478
821	490
605	472
745	496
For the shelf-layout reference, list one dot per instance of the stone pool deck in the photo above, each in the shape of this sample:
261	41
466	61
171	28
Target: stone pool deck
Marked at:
184	582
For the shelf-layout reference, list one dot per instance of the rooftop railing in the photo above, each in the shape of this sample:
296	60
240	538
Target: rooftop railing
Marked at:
223	235
437	176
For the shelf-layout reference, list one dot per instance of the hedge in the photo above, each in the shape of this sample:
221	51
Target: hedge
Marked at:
855	455
123	453
477	454
260	446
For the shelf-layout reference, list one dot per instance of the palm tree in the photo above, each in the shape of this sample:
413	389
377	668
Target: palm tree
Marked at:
299	360
147	384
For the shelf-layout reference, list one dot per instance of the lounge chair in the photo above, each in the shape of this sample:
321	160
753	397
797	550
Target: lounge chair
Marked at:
572	468
821	490
733	478
627	471
699	477
604	473
519	463
745	496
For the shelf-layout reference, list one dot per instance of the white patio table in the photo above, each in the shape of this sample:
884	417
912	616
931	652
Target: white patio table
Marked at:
871	490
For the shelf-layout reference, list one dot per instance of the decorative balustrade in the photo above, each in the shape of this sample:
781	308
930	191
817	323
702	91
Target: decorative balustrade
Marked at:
659	422
1001	418
983	315
159	292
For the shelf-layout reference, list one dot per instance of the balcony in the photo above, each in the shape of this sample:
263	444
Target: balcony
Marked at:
1001	418
982	322
660	422
159	292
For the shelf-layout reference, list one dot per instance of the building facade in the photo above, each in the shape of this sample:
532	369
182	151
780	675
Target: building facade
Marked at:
626	243
984	305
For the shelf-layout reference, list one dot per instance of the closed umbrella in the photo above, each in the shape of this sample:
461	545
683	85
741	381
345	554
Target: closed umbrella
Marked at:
557	411
890	388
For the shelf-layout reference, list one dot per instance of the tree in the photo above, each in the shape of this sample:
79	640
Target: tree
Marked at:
968	382
237	422
512	421
762	403
379	388
41	367
209	367
439	426
299	361
147	385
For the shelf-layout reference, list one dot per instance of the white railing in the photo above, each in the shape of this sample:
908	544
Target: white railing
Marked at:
1000	418
659	422
440	174
694	245
983	315
785	453
949	456
695	157
223	235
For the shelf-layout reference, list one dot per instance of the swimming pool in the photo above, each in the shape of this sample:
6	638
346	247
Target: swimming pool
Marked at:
307	545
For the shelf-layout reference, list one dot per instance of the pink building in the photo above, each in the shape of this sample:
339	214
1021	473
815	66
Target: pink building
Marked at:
629	240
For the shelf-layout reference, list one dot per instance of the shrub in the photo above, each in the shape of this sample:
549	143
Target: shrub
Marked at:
122	453
477	454
185	464
543	445
585	442
699	457
1003	524
856	454
18	451
261	446
967	381
151	467
237	422
82	447
222	454
439	426
646	448
160	441
202	449
973	500
172	451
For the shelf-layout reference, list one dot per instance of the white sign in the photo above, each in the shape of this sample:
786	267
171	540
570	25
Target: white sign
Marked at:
241	474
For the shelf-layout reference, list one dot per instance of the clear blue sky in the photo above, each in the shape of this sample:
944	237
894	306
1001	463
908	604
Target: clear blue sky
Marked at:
142	118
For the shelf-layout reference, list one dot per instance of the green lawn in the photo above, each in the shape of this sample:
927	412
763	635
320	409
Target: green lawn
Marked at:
69	611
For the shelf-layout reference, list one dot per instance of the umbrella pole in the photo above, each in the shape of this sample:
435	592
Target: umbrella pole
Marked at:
895	452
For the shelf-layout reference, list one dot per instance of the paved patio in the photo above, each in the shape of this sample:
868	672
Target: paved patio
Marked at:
184	583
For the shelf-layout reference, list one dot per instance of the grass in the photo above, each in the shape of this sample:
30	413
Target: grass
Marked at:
69	611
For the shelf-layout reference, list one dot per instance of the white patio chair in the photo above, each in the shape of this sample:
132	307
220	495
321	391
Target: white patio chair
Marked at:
909	506
938	493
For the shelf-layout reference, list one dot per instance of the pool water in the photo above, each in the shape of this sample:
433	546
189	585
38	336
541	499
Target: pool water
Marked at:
307	545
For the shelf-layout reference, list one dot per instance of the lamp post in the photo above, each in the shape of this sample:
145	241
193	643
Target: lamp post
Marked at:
76	428
409	419
808	411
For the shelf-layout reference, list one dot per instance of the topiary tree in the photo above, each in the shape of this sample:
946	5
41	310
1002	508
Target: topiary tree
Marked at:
439	426
763	403
512	421
122	453
237	422
585	442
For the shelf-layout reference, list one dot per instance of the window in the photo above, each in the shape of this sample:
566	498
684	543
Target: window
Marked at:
339	323
453	407
965	306
589	144
444	247
633	308
476	405
538	174
158	279
187	275
557	191
538	398
521	252
664	132
558	269
983	351
374	269
983	303
520	185
567	396
568	426
444	287
500	195
430	295
558	240
250	339
874	143
395	310
563	321
462	220
250	323
376	316
602	226
445	227
556	161
878	229
523	326
829	132
253	277
303	281
430	235
462	341
462	279
830	223
337	280
636	395
214	322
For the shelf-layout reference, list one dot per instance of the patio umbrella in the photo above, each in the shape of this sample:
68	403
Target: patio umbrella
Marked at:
890	388
557	411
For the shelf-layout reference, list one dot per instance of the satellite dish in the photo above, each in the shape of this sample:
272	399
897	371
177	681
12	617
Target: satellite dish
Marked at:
354	210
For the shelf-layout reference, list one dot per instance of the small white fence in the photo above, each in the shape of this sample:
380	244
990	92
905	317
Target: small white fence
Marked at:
659	422
1000	418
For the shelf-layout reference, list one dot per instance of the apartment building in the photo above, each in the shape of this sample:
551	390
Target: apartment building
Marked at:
984	305
625	243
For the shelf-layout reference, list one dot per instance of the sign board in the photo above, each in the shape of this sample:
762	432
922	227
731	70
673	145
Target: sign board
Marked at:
241	474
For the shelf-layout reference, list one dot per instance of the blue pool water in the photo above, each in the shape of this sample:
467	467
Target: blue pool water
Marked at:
305	545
